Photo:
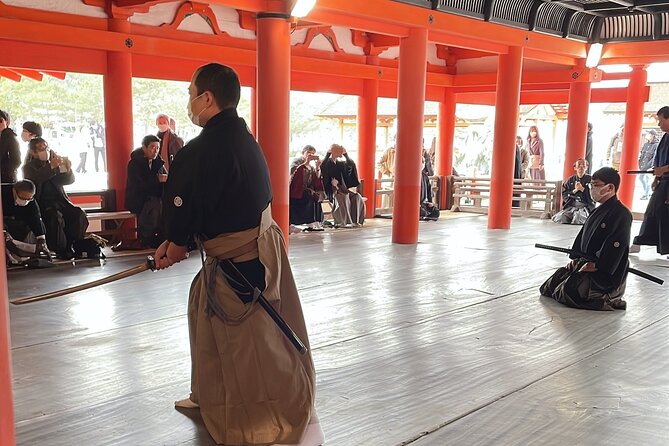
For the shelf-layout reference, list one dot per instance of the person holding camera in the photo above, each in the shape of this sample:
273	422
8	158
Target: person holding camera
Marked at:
65	223
144	191
306	190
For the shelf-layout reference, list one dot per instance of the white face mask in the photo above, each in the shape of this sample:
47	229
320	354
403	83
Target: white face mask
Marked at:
195	119
596	192
21	202
43	156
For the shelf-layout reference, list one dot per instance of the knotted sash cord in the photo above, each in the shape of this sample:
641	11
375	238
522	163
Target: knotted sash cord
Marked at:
214	308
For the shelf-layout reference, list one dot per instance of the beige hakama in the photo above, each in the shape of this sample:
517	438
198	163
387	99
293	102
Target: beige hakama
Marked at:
253	387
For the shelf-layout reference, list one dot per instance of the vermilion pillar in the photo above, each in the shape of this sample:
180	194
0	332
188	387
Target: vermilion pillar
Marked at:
118	113
273	106
446	120
6	401
577	125
367	107
632	134
410	105
254	111
504	144
446	125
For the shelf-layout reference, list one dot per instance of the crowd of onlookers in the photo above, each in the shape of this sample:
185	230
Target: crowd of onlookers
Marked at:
39	217
332	183
577	202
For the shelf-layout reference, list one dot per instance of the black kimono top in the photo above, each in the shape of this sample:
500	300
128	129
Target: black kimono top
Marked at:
570	198
29	214
605	238
218	182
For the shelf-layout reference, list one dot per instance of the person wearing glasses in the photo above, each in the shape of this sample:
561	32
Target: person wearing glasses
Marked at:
596	276
65	223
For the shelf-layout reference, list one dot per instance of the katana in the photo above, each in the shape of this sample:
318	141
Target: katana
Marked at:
269	309
629	269
150	264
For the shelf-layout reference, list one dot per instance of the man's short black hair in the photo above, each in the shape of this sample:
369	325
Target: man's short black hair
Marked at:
25	186
33	128
664	112
4	115
221	81
608	175
148	139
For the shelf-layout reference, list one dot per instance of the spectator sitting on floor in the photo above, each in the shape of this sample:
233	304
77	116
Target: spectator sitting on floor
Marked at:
21	214
65	223
306	189
577	202
144	191
340	177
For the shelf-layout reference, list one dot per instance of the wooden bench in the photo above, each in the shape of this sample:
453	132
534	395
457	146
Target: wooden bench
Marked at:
536	198
111	224
384	188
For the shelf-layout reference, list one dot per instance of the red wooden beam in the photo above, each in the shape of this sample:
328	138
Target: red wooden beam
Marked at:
599	95
9	74
30	74
56	74
394	18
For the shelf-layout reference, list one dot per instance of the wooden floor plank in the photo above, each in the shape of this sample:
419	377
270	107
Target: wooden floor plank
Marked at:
405	338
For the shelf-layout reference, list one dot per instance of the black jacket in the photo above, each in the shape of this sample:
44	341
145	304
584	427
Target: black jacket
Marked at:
218	182
29	214
142	181
569	198
10	156
647	154
605	238
345	172
48	182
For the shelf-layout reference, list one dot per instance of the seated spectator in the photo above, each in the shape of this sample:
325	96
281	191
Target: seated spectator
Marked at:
65	223
339	177
21	214
170	142
428	211
31	130
577	202
306	189
144	190
10	154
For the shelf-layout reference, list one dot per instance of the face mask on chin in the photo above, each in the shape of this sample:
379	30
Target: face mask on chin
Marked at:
21	202
195	119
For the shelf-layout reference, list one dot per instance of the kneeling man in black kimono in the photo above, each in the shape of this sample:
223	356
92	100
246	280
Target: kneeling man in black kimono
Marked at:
596	276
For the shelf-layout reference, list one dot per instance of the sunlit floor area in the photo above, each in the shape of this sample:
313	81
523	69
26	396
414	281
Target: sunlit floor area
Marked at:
443	343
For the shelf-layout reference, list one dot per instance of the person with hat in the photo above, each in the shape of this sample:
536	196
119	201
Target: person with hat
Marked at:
646	157
31	130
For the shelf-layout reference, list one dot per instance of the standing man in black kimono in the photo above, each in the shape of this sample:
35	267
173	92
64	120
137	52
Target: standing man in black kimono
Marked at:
655	227
596	276
249	383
